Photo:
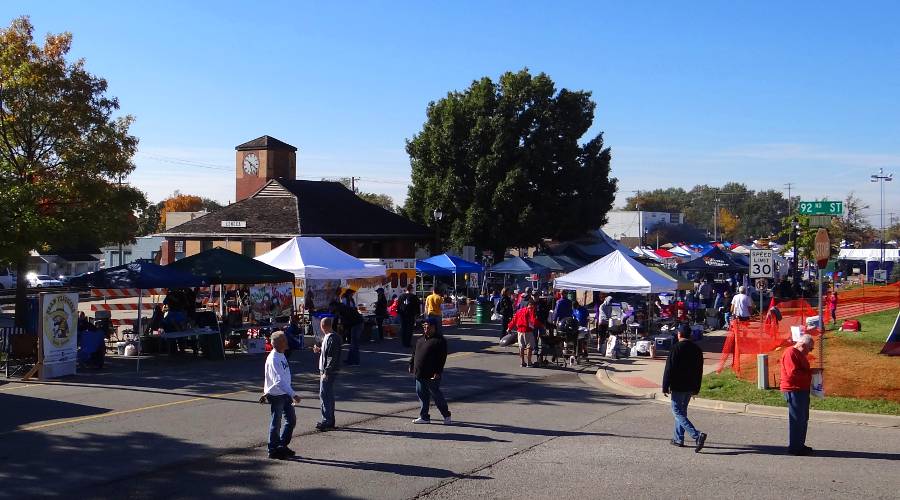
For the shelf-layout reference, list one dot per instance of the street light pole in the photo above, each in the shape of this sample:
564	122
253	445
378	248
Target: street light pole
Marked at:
881	179
438	214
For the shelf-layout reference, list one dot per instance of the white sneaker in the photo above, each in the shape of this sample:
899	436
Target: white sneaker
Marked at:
447	421
421	420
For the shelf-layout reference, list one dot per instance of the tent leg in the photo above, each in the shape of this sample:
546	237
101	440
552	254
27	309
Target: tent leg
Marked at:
138	329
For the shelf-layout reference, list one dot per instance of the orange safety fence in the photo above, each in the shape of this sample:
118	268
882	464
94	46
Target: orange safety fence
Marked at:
866	299
746	338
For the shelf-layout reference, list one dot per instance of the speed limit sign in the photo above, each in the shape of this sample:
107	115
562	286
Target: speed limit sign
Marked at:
762	263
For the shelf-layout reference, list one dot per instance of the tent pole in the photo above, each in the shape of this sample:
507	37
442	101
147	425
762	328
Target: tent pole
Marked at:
139	350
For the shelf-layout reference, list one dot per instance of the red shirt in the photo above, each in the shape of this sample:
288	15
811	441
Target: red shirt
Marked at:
524	320
795	372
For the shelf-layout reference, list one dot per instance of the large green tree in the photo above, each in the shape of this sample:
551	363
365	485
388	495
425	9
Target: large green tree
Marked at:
505	163
61	152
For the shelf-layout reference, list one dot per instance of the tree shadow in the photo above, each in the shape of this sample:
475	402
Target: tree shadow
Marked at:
134	465
23	410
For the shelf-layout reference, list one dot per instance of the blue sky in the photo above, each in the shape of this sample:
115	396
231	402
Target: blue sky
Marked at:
687	92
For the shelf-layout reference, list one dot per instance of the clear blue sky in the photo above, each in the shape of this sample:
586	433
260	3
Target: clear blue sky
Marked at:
687	92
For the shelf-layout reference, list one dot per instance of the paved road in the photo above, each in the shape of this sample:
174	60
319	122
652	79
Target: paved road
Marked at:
191	428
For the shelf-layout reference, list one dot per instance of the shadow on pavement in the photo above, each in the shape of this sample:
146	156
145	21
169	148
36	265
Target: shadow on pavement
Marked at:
448	436
782	450
399	469
22	410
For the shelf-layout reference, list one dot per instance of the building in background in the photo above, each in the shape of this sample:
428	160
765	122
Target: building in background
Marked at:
143	248
273	206
629	226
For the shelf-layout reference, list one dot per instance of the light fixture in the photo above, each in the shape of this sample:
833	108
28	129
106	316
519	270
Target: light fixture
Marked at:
438	214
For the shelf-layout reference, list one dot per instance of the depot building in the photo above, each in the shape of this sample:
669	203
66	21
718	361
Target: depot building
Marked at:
272	206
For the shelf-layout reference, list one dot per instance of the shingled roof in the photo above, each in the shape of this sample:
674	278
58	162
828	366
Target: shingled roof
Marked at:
285	208
265	142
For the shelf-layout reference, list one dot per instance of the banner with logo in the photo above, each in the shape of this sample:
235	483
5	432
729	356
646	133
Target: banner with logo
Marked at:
59	333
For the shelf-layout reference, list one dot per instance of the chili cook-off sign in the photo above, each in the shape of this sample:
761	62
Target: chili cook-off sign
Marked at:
59	333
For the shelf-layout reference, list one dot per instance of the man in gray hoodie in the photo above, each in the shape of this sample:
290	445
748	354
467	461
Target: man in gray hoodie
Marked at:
329	365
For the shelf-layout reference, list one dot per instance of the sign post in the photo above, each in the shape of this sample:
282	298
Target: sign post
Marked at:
822	253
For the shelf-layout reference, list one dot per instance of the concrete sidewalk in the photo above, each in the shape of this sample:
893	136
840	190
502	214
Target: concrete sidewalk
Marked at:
642	377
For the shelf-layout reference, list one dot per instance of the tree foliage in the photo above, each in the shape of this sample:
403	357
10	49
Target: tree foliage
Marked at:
382	200
853	228
759	213
61	151
503	161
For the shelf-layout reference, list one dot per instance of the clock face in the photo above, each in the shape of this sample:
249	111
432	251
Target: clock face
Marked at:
251	164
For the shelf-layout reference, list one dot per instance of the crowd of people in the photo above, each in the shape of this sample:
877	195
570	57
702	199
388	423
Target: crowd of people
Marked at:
531	317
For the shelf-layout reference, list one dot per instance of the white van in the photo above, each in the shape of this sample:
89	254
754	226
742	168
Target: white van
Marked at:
7	278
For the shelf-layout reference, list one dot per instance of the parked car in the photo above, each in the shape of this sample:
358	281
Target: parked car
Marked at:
42	281
7	278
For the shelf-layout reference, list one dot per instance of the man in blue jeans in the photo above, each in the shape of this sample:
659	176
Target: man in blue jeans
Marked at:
281	396
329	364
427	365
681	378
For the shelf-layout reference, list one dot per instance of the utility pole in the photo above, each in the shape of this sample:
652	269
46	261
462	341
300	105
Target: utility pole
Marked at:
120	243
790	200
881	179
353	183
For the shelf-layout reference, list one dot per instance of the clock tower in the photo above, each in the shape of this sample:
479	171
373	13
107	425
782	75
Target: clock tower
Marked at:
261	160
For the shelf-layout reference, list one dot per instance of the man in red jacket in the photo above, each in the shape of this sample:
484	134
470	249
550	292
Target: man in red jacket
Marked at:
524	322
796	379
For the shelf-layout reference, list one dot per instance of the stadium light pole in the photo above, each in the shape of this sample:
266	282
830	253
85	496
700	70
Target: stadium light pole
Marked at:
881	179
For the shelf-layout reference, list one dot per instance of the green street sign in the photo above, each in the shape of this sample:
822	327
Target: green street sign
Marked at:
821	208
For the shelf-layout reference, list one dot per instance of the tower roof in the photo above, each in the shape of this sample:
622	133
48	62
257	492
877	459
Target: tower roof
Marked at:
265	142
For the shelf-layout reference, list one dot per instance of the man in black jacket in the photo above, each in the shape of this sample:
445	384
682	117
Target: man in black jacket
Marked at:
408	309
329	365
684	369
427	365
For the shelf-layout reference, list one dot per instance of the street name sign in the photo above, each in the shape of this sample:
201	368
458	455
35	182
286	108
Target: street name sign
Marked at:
821	208
762	263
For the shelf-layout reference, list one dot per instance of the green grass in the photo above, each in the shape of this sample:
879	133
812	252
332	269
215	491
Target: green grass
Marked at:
727	387
875	327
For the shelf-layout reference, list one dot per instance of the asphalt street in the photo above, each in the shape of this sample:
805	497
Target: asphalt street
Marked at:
189	428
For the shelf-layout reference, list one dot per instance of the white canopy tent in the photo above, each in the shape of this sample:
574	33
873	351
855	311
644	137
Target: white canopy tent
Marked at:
314	258
616	272
869	254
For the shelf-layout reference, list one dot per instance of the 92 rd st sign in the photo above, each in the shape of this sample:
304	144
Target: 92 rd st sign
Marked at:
762	263
821	208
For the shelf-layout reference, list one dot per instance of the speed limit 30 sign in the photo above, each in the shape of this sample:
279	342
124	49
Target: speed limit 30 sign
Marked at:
762	263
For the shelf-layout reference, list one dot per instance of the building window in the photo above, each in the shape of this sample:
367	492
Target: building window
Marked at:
248	248
206	245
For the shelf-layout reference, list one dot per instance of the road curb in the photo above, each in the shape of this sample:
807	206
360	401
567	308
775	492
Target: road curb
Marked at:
833	417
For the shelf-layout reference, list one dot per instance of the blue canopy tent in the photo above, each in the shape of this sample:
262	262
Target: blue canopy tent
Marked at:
426	268
454	265
519	266
141	276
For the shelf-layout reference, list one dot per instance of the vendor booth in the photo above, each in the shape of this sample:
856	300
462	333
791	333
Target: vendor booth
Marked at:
619	273
140	276
713	261
519	267
266	300
321	269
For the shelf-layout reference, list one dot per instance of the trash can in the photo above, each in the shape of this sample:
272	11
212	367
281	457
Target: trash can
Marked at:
483	313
